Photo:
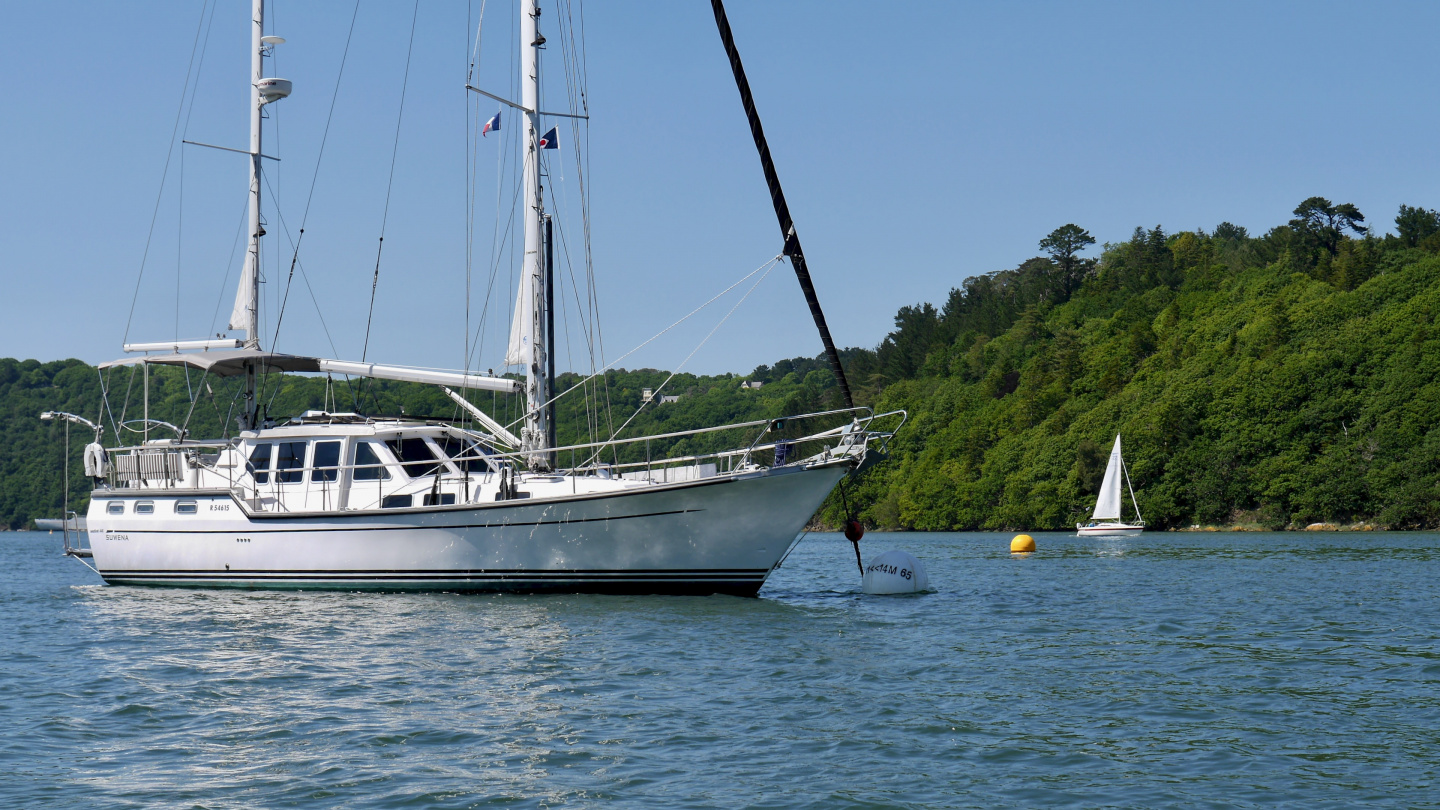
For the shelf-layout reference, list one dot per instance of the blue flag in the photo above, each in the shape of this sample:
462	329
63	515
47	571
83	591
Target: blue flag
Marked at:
549	141
493	123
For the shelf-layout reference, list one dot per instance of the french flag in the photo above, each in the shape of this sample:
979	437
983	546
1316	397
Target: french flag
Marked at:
493	123
549	140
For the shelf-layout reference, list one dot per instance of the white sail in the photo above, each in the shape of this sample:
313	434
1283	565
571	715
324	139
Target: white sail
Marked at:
244	299
1107	506
522	328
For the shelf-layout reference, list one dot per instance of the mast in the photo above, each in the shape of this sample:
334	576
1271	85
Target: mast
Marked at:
535	435
249	295
252	256
777	197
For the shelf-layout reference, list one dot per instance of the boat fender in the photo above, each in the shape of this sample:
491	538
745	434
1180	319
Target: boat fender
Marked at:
895	572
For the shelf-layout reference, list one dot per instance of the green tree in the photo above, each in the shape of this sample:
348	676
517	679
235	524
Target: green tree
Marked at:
1229	232
1063	244
1415	225
1322	223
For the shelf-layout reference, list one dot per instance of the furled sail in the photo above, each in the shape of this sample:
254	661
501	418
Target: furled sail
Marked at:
1107	506
522	328
244	300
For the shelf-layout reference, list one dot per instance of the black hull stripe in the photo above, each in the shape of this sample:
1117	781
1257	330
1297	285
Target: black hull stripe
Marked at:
205	578
387	528
692	587
452	574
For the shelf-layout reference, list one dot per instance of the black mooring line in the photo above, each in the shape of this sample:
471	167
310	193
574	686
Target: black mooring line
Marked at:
777	197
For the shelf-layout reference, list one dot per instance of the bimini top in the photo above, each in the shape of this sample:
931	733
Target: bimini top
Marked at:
229	362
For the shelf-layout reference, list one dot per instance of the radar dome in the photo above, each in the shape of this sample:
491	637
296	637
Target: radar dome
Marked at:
273	89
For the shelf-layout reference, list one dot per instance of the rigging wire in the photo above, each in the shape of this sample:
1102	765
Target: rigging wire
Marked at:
180	204
472	122
766	267
105	400
230	262
494	271
165	173
305	277
314	178
390	183
656	395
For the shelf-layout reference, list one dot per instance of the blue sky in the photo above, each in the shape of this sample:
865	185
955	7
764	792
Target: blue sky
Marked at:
919	144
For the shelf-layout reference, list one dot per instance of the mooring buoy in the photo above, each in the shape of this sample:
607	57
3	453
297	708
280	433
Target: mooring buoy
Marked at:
895	572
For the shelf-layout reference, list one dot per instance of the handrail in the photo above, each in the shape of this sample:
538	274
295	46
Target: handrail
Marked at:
692	432
858	428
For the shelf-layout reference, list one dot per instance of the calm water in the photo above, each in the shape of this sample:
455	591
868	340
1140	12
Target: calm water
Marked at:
1183	669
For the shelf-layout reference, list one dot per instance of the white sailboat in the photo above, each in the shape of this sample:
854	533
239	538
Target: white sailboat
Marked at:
350	501
1106	521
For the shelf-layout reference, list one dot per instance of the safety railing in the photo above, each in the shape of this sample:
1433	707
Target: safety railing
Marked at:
660	458
780	450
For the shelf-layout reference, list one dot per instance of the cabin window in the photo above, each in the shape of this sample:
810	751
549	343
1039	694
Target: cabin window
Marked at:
115	508
368	466
415	455
395	501
327	461
470	454
144	507
446	498
186	507
260	463
289	459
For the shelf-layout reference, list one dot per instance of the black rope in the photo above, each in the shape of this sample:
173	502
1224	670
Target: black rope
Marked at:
853	532
777	197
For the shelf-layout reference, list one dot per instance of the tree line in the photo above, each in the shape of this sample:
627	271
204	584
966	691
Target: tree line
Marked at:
1270	380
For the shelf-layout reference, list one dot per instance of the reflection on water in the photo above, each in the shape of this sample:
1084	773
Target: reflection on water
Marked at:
1160	669
1110	546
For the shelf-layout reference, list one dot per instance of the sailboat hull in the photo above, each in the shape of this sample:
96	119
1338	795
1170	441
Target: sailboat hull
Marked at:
717	535
1109	530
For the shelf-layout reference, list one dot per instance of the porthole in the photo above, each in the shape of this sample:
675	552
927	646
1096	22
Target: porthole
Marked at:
144	507
115	508
186	507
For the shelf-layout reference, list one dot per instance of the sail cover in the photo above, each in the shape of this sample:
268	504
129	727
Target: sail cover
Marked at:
1107	507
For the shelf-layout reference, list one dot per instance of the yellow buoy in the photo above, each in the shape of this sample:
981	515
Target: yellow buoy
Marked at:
1022	544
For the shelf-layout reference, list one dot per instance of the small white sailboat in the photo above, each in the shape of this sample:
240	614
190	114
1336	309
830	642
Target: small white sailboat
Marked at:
1106	521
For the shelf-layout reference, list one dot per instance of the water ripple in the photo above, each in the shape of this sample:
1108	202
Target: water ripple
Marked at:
1172	670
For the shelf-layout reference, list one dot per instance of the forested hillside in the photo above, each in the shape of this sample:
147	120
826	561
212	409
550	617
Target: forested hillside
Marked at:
1273	381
